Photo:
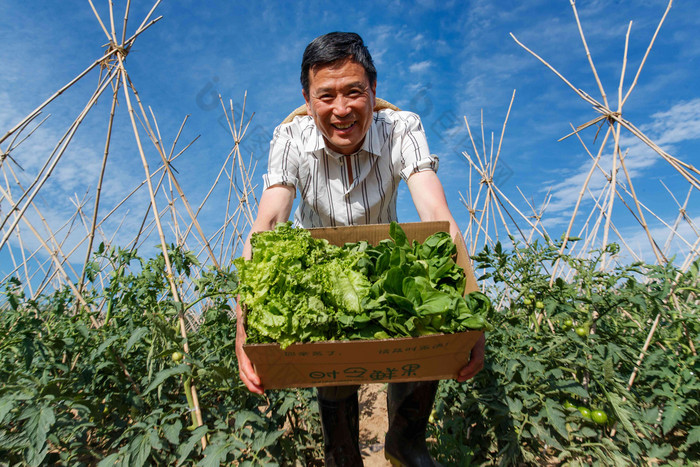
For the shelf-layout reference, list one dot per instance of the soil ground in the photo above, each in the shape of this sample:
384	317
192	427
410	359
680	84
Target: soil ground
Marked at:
373	424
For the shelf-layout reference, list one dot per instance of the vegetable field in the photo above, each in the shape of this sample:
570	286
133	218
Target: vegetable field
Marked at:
117	329
74	394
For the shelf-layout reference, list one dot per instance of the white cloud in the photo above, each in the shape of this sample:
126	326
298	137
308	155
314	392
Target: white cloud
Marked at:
680	123
420	67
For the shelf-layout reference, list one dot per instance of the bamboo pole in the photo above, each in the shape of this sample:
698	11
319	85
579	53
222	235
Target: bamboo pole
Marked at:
53	254
588	53
661	259
51	234
579	199
646	54
170	277
98	192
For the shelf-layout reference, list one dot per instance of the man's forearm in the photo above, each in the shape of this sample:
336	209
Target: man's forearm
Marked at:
429	199
275	206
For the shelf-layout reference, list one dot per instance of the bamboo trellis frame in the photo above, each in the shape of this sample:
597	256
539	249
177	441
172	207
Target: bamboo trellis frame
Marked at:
161	182
602	212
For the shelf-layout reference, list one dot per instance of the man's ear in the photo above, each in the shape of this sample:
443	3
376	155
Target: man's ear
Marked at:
308	103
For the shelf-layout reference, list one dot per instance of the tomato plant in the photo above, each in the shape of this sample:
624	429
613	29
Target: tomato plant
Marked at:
79	394
523	407
76	394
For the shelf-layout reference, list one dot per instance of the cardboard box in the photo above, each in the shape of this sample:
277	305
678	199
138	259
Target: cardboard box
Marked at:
330	363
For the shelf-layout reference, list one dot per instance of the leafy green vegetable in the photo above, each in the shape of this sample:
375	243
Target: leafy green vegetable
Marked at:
295	287
300	289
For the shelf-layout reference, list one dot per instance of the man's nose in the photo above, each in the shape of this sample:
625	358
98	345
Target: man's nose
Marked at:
341	106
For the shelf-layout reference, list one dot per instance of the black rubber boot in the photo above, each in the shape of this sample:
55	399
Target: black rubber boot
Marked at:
409	406
340	422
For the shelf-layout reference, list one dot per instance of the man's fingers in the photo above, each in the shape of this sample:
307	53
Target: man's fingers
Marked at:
247	373
252	387
245	368
249	377
476	361
469	371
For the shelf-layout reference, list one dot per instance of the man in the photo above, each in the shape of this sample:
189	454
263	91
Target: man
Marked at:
346	161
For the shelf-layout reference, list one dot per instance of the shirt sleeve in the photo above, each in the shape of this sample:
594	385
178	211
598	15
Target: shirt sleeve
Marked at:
283	161
415	154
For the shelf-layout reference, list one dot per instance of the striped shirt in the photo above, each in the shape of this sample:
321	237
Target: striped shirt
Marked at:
360	188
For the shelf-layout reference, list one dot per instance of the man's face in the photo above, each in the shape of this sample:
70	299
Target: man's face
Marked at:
341	102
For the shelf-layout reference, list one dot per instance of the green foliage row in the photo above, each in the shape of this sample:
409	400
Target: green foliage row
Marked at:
71	394
532	402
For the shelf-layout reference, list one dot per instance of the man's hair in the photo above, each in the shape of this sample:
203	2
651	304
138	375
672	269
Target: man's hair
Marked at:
334	47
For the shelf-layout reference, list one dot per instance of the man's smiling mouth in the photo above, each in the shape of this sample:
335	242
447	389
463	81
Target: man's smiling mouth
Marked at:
343	126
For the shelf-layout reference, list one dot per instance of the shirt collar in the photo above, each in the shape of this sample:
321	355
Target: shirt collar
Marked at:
315	141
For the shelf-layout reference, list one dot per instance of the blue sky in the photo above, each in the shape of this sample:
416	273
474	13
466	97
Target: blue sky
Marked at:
442	59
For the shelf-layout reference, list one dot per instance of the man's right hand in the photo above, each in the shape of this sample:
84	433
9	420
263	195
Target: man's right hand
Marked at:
275	206
245	368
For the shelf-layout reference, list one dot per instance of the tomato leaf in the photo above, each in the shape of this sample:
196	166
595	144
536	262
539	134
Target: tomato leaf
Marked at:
172	431
693	436
186	448
110	460
139	449
161	376
556	417
135	337
215	455
673	413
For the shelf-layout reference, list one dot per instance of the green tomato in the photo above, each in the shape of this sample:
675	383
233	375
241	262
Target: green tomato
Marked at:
531	296
568	322
600	417
585	413
569	405
581	331
177	357
527	301
539	305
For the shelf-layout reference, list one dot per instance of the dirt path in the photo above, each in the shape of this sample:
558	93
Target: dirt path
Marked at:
373	424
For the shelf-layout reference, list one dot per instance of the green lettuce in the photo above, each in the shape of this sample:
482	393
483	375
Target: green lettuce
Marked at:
295	287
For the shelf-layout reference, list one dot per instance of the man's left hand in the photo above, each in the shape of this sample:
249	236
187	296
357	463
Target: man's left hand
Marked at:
476	361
